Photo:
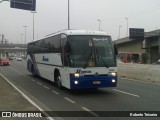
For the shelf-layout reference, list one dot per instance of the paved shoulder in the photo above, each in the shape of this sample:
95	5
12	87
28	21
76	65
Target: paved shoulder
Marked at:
12	100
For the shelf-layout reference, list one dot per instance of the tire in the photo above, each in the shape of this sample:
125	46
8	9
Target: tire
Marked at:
58	81
33	71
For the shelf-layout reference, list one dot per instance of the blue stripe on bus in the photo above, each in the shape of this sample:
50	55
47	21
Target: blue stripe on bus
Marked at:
88	82
34	64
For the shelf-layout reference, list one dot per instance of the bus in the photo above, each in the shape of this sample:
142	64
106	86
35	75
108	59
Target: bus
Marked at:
74	59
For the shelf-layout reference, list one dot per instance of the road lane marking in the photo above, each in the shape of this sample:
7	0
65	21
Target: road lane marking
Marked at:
26	76
39	83
16	71
126	93
55	92
46	87
91	112
33	80
27	98
19	72
68	99
147	82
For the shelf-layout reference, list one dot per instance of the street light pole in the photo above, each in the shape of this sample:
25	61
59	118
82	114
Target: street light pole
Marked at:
33	22
2	46
25	33
119	31
5	43
68	16
99	24
21	38
127	27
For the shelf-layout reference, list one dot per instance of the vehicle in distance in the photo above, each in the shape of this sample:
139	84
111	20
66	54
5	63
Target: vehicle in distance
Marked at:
74	59
19	59
156	63
10	58
4	61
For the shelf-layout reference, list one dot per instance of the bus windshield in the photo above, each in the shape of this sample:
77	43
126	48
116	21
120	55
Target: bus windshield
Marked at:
91	51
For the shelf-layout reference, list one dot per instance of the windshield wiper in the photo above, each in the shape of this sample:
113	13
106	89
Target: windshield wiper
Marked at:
98	57
106	65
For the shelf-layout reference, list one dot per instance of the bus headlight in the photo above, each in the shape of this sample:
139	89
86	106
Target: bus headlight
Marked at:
76	75
112	74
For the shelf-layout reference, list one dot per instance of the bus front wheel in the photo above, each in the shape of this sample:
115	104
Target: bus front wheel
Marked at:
33	71
58	80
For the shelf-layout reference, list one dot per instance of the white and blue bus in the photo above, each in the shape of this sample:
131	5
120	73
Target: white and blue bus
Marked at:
74	59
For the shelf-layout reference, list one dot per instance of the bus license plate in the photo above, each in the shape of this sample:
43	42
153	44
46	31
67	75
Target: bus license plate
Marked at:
96	82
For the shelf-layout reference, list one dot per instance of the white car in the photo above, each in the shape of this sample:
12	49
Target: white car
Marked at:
19	59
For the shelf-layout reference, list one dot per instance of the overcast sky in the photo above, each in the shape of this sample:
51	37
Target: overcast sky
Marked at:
52	15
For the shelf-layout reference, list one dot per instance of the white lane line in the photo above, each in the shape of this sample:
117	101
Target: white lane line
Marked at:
46	87
39	83
16	71
33	80
126	93
26	77
19	72
55	92
147	82
91	112
68	99
27	98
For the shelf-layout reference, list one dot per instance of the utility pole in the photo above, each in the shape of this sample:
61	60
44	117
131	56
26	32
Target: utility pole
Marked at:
127	27
33	12
99	24
2	46
21	38
25	33
68	16
5	43
120	31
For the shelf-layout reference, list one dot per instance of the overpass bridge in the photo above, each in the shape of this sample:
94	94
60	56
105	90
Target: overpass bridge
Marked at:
13	49
149	48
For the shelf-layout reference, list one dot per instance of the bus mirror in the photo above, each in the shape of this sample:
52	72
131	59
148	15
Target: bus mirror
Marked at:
115	49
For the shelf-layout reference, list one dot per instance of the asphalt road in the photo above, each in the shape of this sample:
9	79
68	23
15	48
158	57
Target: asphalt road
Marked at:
129	95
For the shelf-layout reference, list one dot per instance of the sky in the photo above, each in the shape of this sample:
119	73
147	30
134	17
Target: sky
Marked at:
52	16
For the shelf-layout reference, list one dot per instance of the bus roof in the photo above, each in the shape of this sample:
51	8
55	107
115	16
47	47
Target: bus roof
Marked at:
84	32
76	32
80	32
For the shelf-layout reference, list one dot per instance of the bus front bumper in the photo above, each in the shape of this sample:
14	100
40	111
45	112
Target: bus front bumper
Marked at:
93	82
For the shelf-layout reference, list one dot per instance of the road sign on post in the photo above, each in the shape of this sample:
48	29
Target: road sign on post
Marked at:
24	4
136	33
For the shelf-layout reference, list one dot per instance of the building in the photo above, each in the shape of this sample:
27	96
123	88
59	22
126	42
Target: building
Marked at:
149	48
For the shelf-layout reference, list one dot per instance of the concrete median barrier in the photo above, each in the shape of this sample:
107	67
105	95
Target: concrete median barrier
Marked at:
139	71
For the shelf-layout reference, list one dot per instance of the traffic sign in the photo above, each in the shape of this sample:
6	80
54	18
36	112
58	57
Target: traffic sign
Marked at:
136	33
24	4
